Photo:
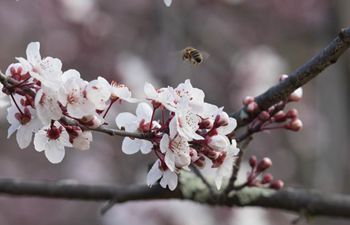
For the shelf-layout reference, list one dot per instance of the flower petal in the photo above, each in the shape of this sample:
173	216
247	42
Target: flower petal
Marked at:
154	174
33	53
144	111
130	146
55	154
146	146
128	121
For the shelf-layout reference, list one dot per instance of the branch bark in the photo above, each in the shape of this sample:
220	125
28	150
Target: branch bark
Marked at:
312	203
328	56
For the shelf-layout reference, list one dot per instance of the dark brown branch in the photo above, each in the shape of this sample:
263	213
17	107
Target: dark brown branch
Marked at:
310	202
328	56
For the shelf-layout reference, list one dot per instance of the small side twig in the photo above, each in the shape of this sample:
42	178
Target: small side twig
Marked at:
203	179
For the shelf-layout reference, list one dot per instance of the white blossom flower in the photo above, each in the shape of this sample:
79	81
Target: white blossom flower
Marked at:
52	140
47	70
24	123
72	95
229	125
219	142
163	96
189	96
186	123
98	92
46	105
120	91
224	171
168	177
176	150
136	123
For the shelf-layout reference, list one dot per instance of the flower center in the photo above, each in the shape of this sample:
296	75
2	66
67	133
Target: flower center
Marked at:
54	133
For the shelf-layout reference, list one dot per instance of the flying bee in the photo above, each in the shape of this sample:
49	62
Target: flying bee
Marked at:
193	55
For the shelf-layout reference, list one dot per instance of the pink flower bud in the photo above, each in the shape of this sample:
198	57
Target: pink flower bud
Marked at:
222	119
294	125
252	107
200	162
264	116
296	95
194	155
277	184
252	161
218	142
267	178
283	77
292	114
280	117
247	100
264	164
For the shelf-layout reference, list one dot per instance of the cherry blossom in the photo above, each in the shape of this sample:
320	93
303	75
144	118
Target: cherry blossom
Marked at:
52	139
186	123
225	169
163	96
139	122
72	95
166	176
47	70
24	122
190	97
176	150
47	106
98	92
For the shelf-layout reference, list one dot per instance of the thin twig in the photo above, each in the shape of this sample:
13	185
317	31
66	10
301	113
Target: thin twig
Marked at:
203	179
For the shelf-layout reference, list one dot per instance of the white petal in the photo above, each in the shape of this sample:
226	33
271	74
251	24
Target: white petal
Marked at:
24	136
169	178
170	160
150	91
55	154
154	174
40	140
144	111
225	130
164	143
70	74
12	129
146	146
130	146
128	121
33	53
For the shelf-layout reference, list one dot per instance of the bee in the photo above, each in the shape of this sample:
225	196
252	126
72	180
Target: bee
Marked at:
193	55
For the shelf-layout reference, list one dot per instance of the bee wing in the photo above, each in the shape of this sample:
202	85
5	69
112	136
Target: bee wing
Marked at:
205	55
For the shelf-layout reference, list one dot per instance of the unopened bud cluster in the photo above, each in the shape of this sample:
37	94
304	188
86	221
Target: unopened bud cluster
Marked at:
257	176
275	117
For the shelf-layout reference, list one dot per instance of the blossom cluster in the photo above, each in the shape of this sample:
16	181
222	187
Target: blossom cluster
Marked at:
188	131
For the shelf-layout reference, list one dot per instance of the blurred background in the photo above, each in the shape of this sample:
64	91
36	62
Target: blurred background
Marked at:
132	41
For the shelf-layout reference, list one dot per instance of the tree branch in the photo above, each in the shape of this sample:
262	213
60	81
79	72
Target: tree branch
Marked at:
328	56
312	203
